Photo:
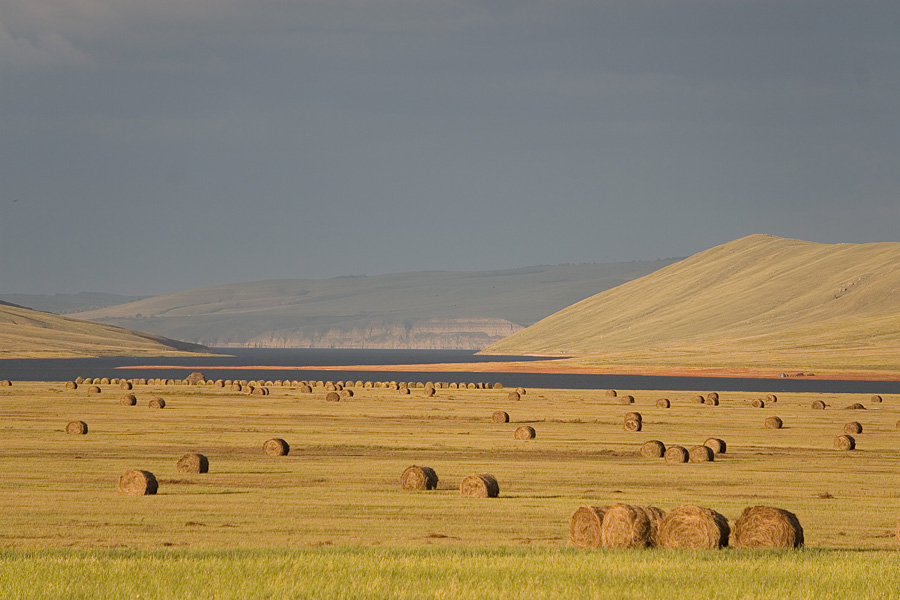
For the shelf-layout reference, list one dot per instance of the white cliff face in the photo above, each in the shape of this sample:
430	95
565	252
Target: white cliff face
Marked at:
430	334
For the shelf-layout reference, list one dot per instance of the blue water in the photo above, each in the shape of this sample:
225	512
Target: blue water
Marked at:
67	369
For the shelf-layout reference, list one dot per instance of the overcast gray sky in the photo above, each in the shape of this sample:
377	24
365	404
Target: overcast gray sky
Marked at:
157	145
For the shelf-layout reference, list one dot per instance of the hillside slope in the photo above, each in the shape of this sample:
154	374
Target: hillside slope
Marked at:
404	310
756	301
26	333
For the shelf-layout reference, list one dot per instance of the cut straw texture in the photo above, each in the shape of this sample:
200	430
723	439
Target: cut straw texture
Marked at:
479	485
767	527
416	478
625	526
693	527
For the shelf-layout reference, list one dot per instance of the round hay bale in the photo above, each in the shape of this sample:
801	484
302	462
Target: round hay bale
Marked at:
128	400
332	397
758	403
774	422
429	392
305	389
500	416
71	385
479	485
653	449
654	516
844	442
767	527
418	478
713	397
276	447
248	389
855	406
853	427
712	401
138	483
94	390
676	454
454	385
472	386
125	385
625	526
876	398
632	425
663	403
698	399
693	527
612	393
717	445
513	396
346	393
585	527
702	454
634	415
521	391
260	391
104	381
219	383
79	380
525	432
818	405
157	402
771	398
330	387
142	381
626	399
192	463
77	428
498	385
237	387
195	378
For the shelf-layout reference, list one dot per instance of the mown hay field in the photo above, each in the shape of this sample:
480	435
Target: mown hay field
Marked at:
337	493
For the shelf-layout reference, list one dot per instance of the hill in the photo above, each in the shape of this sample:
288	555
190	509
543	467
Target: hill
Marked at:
67	303
26	333
434	309
760	301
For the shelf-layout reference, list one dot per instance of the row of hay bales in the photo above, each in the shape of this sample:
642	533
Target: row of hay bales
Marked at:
328	385
476	485
689	527
675	454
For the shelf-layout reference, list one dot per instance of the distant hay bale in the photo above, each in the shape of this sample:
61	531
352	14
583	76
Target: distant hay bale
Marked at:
712	401
192	463
611	394
676	454
521	391
138	483
758	403
698	399
79	380
855	406
260	391
142	381
701	454
853	427
498	385
844	442
625	526
128	400
330	387
653	449
169	382
404	391
479	485
157	402
472	386
77	428
633	425
713	397
248	389
332	397
771	398
876	398
71	385
585	527
663	403
717	445
767	527
513	396
634	415
818	405
627	399
104	381
276	447
346	393
237	387
219	383
774	422
500	416
525	432
93	390
429	392
692	527
125	385
418	478
305	389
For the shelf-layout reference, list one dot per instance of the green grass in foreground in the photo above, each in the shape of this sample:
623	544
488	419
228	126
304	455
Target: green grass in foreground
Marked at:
399	573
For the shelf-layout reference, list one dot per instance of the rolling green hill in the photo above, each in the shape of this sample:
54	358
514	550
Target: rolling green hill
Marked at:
26	333
756	301
403	310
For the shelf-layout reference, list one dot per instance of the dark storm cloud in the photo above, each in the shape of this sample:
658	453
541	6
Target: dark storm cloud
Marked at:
160	145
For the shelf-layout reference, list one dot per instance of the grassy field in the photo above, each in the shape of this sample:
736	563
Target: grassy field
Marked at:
330	519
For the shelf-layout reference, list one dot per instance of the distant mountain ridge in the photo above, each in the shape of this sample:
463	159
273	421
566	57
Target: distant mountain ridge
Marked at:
759	300
431	309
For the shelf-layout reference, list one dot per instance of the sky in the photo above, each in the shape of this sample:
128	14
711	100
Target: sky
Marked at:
151	146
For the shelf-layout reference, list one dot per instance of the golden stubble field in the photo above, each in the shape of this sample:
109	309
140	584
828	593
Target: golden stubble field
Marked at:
340	483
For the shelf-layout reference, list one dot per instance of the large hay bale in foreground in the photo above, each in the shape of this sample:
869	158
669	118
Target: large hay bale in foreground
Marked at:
853	427
193	463
500	416
625	526
844	442
717	445
633	425
138	483
418	478
702	454
585	527
774	422
767	527
276	447
480	485
128	400
818	405
525	432
663	403
77	428
676	454
693	527
157	402
653	449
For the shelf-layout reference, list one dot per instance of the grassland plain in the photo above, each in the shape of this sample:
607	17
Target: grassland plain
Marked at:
330	519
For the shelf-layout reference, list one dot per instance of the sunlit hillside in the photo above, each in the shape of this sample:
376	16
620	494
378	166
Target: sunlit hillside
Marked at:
756	301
